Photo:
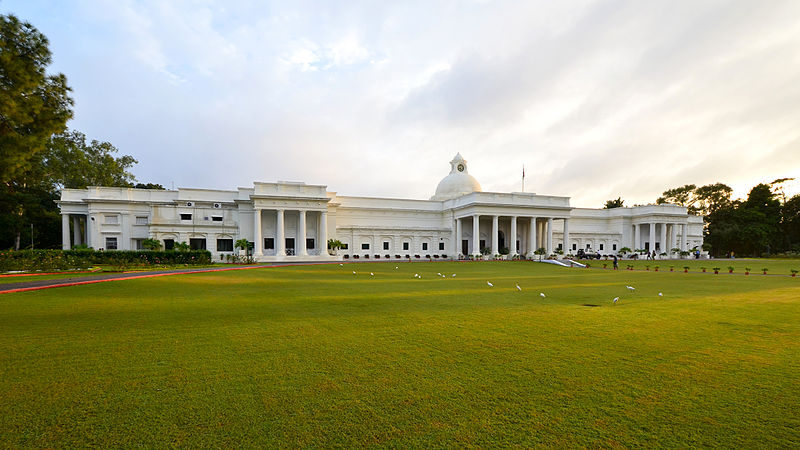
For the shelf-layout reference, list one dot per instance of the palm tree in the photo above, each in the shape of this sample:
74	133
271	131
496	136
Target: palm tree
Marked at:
244	244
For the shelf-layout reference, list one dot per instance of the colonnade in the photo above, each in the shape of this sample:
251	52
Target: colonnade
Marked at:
667	236
280	234
540	234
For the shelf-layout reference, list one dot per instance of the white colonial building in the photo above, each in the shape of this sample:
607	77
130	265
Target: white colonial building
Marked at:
293	221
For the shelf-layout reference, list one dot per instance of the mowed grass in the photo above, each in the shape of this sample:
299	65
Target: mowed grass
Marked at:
775	266
318	356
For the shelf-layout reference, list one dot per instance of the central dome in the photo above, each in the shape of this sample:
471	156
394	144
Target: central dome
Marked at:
458	182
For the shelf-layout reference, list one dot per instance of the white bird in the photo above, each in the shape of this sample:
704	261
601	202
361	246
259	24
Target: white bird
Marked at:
616	299
439	273
454	275
395	267
416	275
371	274
631	288
660	294
354	272
518	288
490	284
341	265
541	294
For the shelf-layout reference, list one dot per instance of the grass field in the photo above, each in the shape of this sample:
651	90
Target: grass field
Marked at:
318	356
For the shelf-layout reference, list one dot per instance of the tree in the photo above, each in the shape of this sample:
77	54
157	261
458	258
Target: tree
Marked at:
618	203
148	186
151	244
712	197
683	196
72	163
33	105
243	244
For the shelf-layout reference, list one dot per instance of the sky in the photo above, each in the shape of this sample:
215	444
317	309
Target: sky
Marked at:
596	99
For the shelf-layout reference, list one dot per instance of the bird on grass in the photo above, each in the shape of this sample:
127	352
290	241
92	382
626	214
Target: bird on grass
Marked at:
439	273
371	274
616	299
454	275
416	275
541	294
660	294
631	288
395	267
490	284
518	288
354	272
341	265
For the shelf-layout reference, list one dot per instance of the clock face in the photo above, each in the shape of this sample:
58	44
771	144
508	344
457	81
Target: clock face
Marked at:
460	167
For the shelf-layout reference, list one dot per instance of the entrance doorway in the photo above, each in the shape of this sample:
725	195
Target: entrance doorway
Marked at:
290	246
465	247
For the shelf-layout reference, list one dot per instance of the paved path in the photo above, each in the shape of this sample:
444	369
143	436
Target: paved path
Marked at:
101	277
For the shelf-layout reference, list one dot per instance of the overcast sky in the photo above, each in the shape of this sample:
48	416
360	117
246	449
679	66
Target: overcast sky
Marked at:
598	99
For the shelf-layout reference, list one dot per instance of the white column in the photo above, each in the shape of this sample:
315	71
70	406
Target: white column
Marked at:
663	235
674	231
652	236
549	236
458	239
476	249
258	241
280	239
65	232
90	238
495	250
637	237
533	246
685	237
76	230
301	232
125	227
323	233
567	246
512	249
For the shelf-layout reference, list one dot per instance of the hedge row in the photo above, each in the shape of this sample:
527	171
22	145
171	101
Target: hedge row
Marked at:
82	259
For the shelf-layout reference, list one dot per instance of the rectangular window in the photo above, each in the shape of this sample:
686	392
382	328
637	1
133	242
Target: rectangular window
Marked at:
364	246
575	246
601	246
141	220
169	244
197	243
588	246
310	243
424	246
137	244
560	246
386	245
405	245
111	219
614	247
441	245
224	245
345	246
186	217
216	218
111	243
269	243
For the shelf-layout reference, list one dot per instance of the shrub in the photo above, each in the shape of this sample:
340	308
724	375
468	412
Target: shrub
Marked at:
85	258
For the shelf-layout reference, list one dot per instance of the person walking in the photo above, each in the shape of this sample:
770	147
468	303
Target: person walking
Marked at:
616	264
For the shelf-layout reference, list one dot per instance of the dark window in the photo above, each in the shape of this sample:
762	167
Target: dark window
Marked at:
269	243
386	245
424	245
216	218
169	244
344	246
575	246
405	245
310	244
197	244
186	217
364	246
560	246
588	246
224	245
441	245
601	246
482	243
111	243
614	247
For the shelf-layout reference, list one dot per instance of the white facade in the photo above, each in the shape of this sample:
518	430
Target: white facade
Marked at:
293	221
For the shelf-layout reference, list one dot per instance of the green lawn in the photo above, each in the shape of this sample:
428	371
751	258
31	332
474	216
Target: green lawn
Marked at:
775	266
317	356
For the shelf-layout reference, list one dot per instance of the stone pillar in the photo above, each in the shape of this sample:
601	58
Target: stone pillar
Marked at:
512	249
125	227
532	242
637	237
280	238
458	238
495	250
549	236
65	244
567	246
258	241
652	236
89	231
685	237
476	238
322	236
674	232
663	235
76	231
301	234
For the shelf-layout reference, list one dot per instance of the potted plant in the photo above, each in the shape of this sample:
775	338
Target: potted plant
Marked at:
605	265
730	269
671	268
685	269
243	245
655	268
716	270
646	267
764	270
747	271
794	272
703	269
630	266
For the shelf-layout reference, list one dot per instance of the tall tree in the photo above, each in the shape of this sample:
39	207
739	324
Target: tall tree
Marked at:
33	104
72	163
683	196
617	203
